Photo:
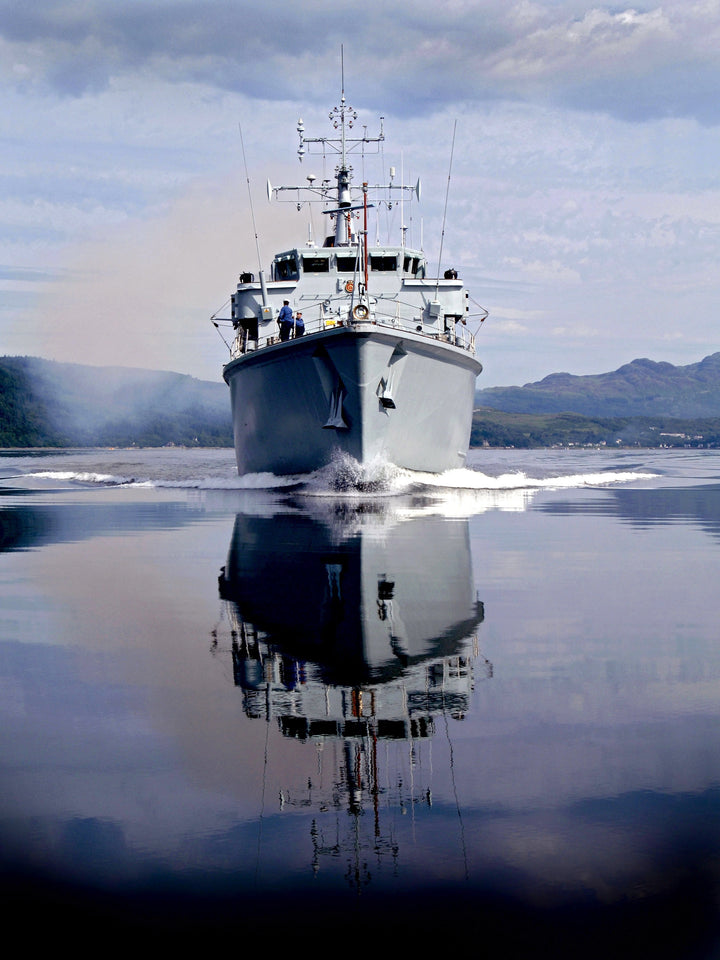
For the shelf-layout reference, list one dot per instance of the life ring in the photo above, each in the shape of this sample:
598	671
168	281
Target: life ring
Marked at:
360	312
349	286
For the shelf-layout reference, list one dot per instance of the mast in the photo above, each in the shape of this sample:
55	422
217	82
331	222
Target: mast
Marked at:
365	233
343	225
343	119
341	116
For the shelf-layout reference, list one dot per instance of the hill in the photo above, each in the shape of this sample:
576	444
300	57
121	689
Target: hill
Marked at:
642	388
45	403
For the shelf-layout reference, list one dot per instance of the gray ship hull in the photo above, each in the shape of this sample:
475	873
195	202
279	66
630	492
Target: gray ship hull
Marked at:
359	607
366	391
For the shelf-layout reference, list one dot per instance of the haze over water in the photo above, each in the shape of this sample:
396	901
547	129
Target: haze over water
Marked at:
484	702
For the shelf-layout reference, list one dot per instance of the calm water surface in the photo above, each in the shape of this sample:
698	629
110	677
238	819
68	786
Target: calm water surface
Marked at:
486	703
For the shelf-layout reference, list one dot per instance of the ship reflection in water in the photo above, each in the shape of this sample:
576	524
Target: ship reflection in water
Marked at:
357	632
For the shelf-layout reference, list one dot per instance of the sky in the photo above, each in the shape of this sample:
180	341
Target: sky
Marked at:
583	197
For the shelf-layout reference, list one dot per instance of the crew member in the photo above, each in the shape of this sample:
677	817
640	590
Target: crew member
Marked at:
285	319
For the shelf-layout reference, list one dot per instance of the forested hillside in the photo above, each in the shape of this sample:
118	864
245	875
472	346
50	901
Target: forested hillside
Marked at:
496	428
44	403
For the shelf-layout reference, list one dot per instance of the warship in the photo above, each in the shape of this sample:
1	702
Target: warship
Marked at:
350	348
353	628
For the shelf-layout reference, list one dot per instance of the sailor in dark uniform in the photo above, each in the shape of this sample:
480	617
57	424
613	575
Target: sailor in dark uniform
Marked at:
285	319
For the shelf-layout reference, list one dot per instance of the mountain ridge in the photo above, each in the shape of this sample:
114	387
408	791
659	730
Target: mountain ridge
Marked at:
642	387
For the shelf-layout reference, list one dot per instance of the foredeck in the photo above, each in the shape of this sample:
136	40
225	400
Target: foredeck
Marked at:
327	288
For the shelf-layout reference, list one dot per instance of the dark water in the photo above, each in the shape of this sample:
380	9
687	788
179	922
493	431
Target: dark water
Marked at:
484	706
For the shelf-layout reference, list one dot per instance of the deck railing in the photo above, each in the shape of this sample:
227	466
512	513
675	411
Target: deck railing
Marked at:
458	335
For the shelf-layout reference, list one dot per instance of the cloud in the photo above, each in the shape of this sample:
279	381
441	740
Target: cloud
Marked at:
141	293
585	192
22	276
639	62
547	271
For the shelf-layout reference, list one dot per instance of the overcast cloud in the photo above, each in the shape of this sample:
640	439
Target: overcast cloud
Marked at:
585	197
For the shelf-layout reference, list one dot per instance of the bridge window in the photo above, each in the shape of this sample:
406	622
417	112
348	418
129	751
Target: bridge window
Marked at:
346	264
316	264
386	263
286	269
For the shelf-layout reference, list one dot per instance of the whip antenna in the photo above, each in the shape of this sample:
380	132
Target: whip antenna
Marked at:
252	217
447	194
